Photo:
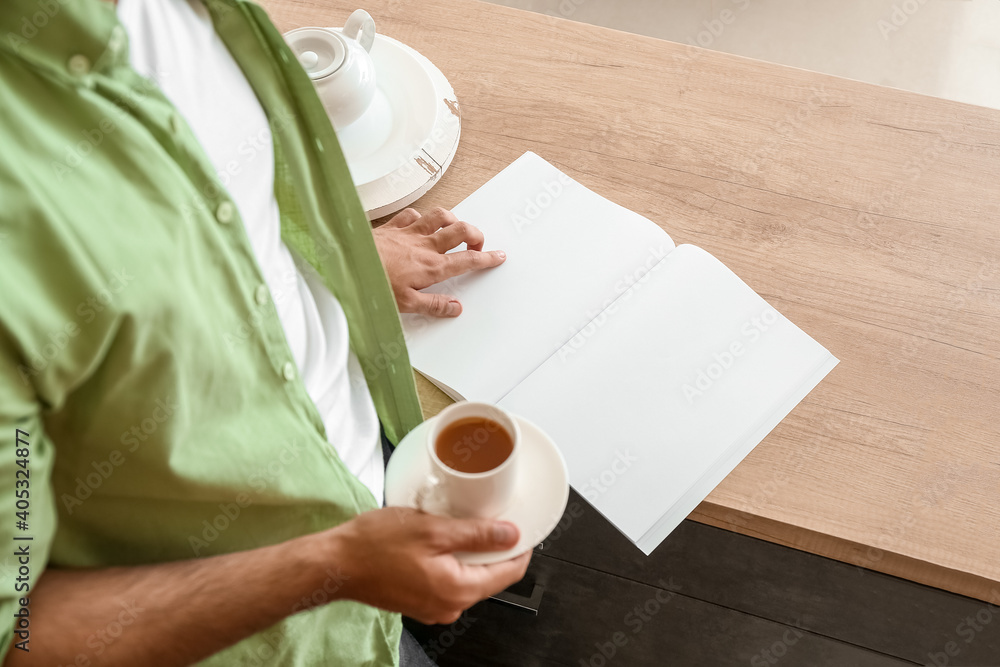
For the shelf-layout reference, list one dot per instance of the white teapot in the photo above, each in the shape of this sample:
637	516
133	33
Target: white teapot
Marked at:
339	65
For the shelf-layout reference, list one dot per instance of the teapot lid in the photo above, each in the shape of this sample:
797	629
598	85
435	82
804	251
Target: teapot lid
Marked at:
321	52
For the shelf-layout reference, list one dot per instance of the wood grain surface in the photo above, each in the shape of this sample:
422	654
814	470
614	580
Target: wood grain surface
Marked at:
868	216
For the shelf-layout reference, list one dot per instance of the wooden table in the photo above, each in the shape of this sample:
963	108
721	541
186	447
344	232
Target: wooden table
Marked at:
868	216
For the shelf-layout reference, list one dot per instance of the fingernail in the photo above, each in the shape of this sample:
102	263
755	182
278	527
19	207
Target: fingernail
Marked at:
501	254
454	307
504	532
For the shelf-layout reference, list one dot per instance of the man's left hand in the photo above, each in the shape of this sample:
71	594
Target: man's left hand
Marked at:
414	251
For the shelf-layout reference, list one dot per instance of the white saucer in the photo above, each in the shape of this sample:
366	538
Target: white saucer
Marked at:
539	499
405	141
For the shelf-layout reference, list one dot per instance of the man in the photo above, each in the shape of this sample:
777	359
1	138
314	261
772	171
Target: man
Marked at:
198	346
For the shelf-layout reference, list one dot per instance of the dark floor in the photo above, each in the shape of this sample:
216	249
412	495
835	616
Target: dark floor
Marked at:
709	597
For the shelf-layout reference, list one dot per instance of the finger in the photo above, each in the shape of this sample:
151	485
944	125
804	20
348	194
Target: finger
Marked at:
457	263
479	535
459	232
445	617
490	579
436	305
449	617
404	218
436	219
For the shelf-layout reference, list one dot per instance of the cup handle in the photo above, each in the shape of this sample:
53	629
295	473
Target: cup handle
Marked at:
360	26
428	495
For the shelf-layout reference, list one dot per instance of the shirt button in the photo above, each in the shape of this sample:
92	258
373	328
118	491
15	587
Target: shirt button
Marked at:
79	65
261	294
288	371
117	39
225	212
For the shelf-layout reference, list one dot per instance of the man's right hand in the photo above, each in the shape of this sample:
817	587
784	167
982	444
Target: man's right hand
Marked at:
397	559
403	560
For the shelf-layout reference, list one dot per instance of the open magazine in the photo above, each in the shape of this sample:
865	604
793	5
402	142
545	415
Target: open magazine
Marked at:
653	367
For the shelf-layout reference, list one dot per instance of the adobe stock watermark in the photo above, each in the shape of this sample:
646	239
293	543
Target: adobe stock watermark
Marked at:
100	640
597	485
164	409
828	431
930	494
914	168
92	138
464	448
383	360
712	29
985	282
59	339
31	25
634	621
574	511
801	457
263	312
325	592
778	649
542	199
900	15
723	360
442	137
260	654
101	470
567	8
253	145
438	647
248	150
624	289
967	630
229	512
786	128
715	27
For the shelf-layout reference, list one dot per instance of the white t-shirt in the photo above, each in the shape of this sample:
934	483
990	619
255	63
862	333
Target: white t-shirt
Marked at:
173	42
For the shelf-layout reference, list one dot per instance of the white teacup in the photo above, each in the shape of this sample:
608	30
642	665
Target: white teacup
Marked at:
339	65
483	495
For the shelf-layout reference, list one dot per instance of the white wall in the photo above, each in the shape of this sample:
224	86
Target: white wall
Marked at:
947	48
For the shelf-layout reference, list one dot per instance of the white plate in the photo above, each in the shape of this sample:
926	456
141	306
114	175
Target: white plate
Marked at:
408	136
539	499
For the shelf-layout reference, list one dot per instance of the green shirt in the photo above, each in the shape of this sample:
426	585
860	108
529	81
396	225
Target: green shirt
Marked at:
140	355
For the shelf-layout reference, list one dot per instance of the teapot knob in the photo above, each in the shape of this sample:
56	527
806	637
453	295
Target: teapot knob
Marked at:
308	59
318	50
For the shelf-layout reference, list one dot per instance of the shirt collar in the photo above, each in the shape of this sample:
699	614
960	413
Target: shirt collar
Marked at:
74	38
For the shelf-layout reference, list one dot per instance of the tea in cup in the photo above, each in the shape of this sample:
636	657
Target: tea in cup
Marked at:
473	448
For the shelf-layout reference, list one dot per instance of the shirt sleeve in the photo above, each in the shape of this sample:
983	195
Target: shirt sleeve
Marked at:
27	501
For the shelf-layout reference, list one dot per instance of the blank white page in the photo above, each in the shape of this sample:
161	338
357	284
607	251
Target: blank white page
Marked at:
655	402
570	252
